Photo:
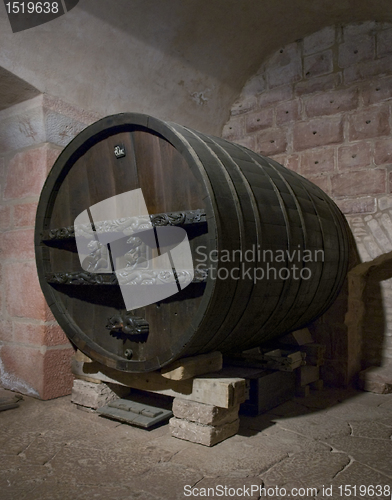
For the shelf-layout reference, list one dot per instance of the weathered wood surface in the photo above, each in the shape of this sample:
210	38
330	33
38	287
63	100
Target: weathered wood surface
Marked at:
278	359
299	337
314	353
82	358
192	367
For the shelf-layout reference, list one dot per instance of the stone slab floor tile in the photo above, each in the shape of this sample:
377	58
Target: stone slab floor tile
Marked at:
166	481
14	444
348	411
18	478
289	409
375	453
286	440
86	456
371	430
326	398
371	399
167	444
87	466
67	424
54	490
290	442
235	487
387	405
235	457
358	474
305	470
41	451
251	426
317	425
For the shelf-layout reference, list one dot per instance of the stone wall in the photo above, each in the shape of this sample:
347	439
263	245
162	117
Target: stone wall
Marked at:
34	351
321	106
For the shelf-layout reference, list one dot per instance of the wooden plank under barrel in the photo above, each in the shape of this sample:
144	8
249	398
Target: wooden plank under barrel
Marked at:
269	248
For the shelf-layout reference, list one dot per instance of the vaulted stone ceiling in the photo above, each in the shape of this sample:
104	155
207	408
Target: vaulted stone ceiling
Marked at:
181	60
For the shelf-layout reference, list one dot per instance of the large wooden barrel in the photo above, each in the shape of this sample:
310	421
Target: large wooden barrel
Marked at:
269	248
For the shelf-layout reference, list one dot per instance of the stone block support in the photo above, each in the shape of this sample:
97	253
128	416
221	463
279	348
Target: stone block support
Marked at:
94	395
202	423
208	435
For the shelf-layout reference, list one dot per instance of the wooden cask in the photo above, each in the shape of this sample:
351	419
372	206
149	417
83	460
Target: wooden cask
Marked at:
269	248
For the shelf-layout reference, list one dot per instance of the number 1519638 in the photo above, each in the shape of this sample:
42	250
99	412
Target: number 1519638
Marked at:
32	7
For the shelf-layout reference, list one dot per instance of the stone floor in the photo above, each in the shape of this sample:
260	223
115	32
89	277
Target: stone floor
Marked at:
52	450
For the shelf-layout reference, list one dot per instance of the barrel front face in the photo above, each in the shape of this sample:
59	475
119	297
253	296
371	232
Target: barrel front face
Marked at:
92	312
242	214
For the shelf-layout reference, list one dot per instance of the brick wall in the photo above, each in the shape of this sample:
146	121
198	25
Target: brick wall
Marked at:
321	106
34	352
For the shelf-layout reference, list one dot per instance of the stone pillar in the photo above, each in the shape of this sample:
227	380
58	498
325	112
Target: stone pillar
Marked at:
34	352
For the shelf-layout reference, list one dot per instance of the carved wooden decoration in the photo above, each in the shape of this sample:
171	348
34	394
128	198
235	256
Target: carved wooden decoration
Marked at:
128	225
126	325
144	277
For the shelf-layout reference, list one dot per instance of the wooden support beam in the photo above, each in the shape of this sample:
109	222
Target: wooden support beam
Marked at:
299	337
224	389
187	368
314	353
277	359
